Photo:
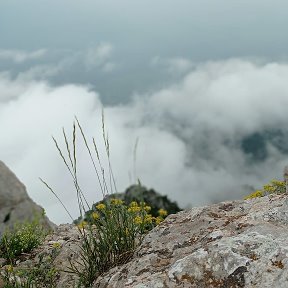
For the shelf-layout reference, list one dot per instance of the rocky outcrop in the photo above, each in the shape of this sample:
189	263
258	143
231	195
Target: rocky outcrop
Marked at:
15	204
230	244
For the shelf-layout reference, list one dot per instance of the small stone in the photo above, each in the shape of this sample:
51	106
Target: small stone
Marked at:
2	283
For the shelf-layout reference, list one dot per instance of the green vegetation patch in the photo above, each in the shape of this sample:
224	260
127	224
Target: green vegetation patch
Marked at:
22	238
273	187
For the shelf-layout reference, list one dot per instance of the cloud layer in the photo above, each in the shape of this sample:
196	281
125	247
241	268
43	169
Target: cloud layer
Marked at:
19	56
191	134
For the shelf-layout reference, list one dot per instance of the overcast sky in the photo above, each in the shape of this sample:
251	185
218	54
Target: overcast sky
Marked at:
201	84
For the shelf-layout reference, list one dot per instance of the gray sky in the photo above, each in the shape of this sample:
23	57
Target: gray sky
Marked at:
196	81
138	31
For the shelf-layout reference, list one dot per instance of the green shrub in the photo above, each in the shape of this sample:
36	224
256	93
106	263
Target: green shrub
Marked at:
110	237
110	231
22	238
273	187
42	274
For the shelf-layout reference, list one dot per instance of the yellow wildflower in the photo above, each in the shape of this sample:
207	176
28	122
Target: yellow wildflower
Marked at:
275	186
278	183
257	193
134	209
101	206
147	208
148	218
138	220
116	201
9	268
56	245
269	188
134	204
82	224
162	212
95	215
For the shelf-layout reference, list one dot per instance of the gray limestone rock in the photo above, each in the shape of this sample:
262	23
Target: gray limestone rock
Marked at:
230	244
15	204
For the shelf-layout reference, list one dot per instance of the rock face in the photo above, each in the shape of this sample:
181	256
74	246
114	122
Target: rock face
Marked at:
15	204
230	244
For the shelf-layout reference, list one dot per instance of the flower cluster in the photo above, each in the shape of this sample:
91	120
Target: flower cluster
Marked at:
136	213
115	201
141	215
101	206
273	187
113	230
256	194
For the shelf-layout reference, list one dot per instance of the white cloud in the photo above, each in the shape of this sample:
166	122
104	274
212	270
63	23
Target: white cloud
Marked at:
20	56
99	56
179	65
41	72
190	134
58	61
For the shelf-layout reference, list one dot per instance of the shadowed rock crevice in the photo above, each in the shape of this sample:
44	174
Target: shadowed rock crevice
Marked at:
7	217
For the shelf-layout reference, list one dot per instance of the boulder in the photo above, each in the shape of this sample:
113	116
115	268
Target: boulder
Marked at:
15	204
230	244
